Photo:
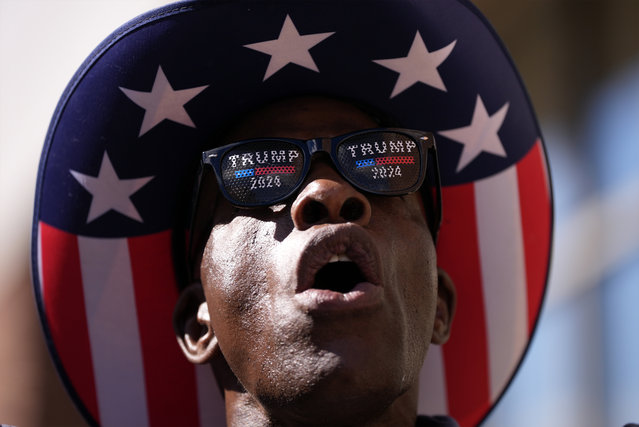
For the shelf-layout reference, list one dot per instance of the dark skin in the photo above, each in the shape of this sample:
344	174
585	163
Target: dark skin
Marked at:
287	353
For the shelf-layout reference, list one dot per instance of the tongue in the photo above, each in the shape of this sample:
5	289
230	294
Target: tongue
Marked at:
339	277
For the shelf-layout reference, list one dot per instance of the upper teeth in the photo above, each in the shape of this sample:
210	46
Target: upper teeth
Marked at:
338	258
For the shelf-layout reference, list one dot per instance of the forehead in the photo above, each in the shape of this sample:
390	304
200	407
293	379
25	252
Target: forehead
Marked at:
302	118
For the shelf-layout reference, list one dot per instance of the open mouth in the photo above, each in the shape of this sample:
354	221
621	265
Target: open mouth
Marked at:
339	275
338	272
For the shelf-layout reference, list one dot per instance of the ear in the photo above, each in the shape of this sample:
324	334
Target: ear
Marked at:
446	304
192	325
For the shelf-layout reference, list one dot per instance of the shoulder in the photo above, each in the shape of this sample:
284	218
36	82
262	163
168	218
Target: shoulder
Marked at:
435	421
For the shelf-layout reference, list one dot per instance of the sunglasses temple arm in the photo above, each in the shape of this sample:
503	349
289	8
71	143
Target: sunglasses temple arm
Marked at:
195	203
204	199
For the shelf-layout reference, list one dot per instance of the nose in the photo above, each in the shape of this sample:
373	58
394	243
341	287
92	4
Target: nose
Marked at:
327	198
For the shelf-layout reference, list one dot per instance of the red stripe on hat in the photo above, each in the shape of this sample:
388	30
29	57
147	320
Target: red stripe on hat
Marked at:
535	198
466	353
63	299
170	379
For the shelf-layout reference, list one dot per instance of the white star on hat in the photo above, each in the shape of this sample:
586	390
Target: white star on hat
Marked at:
419	65
480	135
110	192
163	102
289	48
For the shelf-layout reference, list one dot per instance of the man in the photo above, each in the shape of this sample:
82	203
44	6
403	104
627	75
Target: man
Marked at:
290	349
318	271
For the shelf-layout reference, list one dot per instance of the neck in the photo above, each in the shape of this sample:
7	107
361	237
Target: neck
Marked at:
243	410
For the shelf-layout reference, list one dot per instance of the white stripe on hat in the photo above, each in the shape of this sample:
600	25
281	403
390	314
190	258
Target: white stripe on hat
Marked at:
113	330
210	402
432	384
503	274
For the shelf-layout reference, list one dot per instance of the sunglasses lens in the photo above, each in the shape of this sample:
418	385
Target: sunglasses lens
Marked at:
260	173
381	162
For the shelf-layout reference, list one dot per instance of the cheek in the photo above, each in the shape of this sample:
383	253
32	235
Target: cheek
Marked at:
406	240
225	262
238	253
235	266
416	273
418	298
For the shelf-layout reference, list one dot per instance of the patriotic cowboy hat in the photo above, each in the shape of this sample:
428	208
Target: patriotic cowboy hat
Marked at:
116	172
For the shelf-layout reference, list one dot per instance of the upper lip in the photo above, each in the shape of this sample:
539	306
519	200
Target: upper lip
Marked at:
346	239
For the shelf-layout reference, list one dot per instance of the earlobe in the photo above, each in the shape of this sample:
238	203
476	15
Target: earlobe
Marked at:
446	305
192	325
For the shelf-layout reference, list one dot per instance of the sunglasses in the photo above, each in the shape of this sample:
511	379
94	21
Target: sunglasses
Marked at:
265	171
384	162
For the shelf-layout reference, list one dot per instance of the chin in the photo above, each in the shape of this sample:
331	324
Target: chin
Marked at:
335	408
341	394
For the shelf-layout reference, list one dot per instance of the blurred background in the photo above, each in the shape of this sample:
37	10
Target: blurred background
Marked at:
580	62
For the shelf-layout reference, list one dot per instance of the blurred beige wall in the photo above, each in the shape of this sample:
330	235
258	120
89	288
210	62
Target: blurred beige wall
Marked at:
30	392
42	43
565	48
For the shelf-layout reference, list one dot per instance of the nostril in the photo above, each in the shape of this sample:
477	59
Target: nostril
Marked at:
352	209
314	212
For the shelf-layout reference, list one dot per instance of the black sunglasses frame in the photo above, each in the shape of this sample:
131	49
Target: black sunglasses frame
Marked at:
211	161
310	147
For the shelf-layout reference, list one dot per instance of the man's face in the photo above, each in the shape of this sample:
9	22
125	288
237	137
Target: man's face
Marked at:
305	334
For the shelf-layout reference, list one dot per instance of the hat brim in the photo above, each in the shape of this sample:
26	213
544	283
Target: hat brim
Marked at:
140	110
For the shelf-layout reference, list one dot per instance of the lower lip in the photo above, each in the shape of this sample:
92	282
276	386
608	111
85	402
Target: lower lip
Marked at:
363	296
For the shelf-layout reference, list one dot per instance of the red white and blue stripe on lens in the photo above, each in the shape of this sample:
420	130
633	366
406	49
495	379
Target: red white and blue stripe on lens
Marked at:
117	166
265	170
394	160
